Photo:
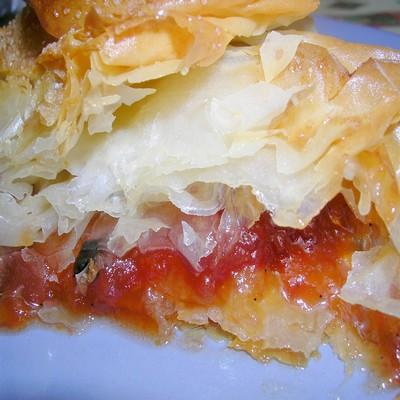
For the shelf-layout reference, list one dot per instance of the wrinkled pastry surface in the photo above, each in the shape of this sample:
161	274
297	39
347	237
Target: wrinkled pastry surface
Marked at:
136	110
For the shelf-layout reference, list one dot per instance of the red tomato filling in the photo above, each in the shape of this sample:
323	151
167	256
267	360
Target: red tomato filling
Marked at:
313	265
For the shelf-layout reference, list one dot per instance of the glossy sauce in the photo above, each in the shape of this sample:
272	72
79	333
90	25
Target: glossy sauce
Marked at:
141	289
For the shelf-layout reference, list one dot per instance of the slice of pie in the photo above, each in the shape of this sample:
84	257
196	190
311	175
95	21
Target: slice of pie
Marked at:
168	163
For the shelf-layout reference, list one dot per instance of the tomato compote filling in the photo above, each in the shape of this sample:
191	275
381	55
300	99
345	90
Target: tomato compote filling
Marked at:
312	263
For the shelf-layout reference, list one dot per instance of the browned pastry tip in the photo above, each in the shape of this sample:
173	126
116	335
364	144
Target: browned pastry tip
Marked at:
59	16
21	41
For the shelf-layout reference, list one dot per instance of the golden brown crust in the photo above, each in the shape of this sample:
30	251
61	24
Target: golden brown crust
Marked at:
59	16
352	55
20	44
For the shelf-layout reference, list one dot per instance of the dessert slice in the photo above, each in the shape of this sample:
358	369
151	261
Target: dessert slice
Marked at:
155	175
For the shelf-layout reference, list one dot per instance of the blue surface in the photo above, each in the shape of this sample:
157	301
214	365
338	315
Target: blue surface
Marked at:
357	33
106	363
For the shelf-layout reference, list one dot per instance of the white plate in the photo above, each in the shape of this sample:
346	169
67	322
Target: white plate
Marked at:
106	362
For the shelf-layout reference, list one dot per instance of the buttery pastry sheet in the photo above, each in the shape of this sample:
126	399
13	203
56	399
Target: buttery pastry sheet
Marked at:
123	110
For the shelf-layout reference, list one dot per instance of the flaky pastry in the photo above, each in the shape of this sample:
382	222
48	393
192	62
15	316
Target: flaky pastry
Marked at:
156	164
